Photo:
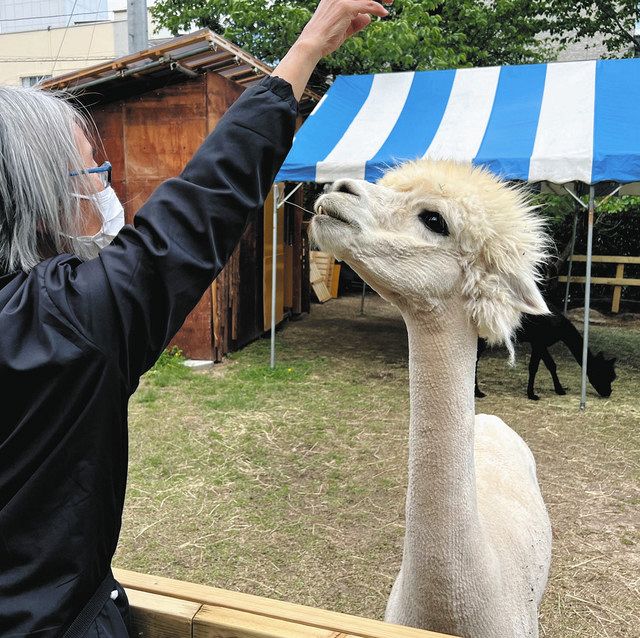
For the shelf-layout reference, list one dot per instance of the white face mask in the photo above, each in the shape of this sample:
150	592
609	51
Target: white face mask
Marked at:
112	214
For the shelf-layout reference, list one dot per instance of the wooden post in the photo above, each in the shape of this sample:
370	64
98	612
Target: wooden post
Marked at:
617	291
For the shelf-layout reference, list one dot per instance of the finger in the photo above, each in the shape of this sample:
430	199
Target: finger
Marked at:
358	23
371	7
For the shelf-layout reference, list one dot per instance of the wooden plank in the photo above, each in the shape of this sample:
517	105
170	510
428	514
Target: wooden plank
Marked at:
310	616
233	296
288	276
335	281
323	264
617	291
156	616
203	35
109	121
220	95
221	622
318	285
328	273
164	128
322	292
305	284
315	276
194	336
608	259
215	323
609	281
224	309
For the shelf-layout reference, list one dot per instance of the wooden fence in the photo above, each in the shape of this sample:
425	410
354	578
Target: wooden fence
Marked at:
166	608
618	281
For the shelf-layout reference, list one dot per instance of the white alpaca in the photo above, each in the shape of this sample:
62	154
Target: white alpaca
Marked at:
457	252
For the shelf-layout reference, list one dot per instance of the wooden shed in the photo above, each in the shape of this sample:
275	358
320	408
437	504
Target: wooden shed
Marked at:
152	110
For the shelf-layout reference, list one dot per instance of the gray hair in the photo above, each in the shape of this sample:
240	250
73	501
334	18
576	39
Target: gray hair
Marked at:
39	215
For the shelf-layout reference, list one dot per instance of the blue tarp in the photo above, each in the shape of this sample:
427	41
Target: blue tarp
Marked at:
561	122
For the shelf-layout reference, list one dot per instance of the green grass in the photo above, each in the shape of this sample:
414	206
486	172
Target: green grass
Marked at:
621	342
290	483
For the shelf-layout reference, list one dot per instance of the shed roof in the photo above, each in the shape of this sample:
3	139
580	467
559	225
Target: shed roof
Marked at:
189	55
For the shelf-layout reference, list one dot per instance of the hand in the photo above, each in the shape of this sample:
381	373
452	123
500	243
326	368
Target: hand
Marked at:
332	23
336	20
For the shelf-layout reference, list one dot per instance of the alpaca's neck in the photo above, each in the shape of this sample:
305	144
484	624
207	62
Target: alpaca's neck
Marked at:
571	338
444	537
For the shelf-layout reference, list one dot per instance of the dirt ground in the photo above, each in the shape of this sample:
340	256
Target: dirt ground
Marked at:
291	484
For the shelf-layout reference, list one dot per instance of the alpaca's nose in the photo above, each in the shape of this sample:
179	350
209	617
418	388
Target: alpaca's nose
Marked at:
349	186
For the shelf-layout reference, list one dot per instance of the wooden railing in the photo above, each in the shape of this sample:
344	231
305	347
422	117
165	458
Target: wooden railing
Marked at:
617	282
166	608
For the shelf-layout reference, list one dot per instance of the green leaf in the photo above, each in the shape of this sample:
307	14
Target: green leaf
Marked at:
418	34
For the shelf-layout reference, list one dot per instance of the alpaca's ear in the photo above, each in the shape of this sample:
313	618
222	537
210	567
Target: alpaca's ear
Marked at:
527	297
496	303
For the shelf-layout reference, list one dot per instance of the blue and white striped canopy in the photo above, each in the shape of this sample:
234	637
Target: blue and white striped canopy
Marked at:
562	122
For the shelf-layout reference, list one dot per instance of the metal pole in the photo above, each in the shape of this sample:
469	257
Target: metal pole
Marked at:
587	298
274	258
137	25
364	292
573	245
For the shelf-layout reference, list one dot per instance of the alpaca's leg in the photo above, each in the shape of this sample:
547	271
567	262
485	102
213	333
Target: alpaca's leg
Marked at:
551	366
534	362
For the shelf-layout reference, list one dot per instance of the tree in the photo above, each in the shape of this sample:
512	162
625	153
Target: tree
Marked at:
612	20
417	35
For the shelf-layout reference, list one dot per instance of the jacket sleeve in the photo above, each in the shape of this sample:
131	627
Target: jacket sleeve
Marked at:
132	299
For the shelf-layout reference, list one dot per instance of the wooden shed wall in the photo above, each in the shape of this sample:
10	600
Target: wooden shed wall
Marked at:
149	138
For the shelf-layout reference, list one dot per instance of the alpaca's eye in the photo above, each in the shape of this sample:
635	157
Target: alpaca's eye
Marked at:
434	222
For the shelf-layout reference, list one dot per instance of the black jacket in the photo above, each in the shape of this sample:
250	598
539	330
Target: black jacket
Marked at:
76	337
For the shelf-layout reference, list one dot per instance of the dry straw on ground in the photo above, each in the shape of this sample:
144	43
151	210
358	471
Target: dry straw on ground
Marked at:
290	484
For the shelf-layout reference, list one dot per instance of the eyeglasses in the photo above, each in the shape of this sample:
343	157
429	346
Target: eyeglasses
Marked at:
103	172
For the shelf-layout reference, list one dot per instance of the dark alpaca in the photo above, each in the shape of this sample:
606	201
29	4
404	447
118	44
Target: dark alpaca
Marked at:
542	331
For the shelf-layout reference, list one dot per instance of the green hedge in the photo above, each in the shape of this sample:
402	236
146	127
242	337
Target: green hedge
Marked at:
616	232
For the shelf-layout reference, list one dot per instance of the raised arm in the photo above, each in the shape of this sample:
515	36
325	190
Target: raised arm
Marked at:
130	301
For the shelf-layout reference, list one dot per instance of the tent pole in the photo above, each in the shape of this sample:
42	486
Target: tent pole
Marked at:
274	257
587	298
573	246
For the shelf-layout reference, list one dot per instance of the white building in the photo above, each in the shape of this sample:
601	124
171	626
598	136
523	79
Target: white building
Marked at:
43	38
33	15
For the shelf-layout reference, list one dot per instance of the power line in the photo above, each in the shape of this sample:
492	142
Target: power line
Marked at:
106	56
93	31
60	15
64	35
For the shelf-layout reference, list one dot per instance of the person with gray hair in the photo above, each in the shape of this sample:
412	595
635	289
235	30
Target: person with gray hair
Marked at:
87	304
41	211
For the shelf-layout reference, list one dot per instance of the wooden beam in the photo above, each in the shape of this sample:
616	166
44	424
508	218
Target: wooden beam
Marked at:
221	622
608	281
155	616
278	610
608	259
221	49
203	35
